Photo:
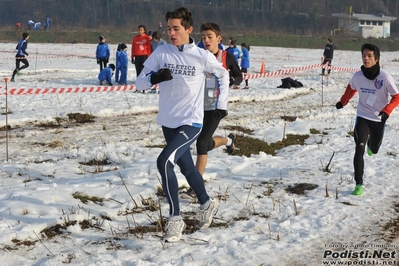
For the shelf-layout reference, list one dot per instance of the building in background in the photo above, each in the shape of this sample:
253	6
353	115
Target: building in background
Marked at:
367	25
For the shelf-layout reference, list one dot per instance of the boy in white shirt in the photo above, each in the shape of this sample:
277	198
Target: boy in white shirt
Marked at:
180	69
374	86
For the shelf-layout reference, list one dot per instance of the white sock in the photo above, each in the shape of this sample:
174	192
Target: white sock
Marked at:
205	205
174	218
229	141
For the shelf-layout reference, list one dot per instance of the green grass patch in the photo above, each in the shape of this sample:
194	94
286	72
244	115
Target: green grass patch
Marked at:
95	162
247	145
85	198
81	118
240	129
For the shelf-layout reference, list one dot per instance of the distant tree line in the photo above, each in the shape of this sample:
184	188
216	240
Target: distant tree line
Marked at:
263	16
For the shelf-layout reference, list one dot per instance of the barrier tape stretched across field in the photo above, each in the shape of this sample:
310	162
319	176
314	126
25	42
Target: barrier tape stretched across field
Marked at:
15	91
30	91
298	69
51	56
57	55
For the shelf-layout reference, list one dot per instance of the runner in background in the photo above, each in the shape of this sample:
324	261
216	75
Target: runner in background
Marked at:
212	114
245	62
20	56
328	55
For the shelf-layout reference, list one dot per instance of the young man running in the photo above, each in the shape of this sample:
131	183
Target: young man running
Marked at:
180	69
212	114
374	86
20	56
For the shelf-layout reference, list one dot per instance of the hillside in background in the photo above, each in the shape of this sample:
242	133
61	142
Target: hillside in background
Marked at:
295	17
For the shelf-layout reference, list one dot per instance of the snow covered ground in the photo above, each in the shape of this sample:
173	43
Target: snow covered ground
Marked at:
260	222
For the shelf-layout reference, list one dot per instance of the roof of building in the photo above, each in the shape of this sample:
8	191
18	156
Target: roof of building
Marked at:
376	17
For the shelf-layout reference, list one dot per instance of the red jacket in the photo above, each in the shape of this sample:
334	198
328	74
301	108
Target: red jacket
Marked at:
141	45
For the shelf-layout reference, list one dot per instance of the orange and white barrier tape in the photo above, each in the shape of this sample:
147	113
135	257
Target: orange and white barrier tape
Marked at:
36	91
15	91
50	56
298	69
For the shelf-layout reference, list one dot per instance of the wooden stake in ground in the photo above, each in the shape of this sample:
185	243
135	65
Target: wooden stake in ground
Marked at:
6	81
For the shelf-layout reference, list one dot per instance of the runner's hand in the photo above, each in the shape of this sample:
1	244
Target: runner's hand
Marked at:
162	75
384	116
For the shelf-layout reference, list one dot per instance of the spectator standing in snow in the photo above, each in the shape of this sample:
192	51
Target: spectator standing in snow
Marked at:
102	53
47	23
31	24
20	56
328	55
156	40
37	26
141	49
375	87
117	63
180	69
18	26
105	75
245	62
122	60
232	49
149	34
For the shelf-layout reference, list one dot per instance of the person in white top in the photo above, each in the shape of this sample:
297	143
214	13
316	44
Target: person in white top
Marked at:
375	87
180	68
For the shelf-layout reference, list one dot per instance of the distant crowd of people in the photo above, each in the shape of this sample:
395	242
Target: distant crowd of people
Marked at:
31	25
144	43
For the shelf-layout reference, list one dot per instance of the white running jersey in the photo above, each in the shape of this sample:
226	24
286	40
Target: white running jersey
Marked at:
374	95
181	100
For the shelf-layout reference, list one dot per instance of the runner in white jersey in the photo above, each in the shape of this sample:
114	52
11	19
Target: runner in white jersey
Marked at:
211	38
375	87
180	69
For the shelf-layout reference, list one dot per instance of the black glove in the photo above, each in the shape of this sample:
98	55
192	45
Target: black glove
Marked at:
98	61
162	75
132	60
384	116
339	105
220	114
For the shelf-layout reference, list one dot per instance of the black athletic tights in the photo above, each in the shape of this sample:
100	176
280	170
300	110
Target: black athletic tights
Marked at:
368	133
17	66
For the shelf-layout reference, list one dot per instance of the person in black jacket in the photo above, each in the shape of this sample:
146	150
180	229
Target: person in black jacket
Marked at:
20	56
327	56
